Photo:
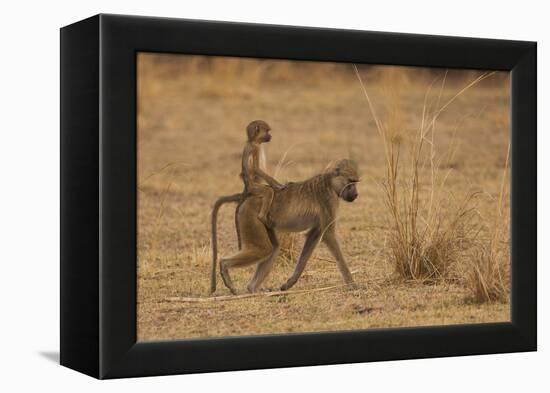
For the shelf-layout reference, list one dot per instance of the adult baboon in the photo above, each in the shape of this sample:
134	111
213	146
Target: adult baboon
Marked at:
309	206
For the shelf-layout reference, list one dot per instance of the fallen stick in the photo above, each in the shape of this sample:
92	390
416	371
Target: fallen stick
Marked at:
247	295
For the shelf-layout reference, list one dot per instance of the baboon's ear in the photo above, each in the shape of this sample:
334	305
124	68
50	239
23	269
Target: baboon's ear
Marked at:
336	171
252	131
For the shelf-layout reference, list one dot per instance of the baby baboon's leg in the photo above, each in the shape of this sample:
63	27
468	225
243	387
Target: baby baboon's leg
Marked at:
266	193
242	258
264	266
332	243
312	238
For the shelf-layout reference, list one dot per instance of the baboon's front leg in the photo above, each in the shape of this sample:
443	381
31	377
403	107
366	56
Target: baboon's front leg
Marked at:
332	243
312	238
264	267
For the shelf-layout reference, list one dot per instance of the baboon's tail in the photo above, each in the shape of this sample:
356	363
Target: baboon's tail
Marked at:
222	200
237	223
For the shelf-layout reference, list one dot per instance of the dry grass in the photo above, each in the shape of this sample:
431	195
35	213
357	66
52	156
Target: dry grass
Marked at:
428	241
191	117
487	274
429	235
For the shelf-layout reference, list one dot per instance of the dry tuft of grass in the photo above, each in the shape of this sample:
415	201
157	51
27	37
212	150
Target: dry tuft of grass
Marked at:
487	275
429	232
290	247
429	251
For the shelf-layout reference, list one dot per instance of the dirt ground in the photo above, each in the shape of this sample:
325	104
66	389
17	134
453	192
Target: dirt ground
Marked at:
192	114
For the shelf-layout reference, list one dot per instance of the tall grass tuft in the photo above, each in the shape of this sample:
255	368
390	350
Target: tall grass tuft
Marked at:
487	275
430	229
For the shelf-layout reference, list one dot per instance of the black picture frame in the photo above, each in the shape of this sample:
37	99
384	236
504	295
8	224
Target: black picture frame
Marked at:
98	196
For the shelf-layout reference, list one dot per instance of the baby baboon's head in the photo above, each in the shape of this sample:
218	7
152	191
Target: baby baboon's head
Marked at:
258	132
343	179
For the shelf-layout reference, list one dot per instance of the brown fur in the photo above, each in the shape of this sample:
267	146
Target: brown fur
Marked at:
253	176
310	206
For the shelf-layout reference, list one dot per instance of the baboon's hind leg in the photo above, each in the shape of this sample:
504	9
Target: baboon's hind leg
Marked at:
241	259
264	266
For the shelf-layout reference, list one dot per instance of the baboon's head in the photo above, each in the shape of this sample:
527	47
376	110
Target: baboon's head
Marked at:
343	179
258	132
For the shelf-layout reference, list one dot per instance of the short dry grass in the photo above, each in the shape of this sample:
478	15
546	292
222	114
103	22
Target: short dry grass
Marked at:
191	118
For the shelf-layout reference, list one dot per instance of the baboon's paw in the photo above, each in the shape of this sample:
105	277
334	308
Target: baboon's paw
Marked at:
352	286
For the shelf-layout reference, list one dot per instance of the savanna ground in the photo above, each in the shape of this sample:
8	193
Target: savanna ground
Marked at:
192	114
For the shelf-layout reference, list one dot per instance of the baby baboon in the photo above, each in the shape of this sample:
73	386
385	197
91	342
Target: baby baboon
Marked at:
252	174
309	206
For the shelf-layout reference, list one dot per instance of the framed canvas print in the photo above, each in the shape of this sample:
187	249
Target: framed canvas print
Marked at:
239	196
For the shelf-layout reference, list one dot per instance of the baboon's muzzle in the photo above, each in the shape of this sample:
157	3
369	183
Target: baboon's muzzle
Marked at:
350	194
